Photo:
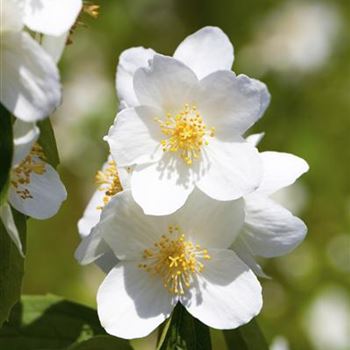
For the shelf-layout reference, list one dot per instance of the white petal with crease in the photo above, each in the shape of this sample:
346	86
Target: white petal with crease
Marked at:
52	17
131	303
129	61
230	170
47	191
206	51
270	230
31	87
229	294
280	170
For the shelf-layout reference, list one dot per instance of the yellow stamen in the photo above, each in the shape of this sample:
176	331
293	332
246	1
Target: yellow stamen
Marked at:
21	174
187	133
175	260
91	9
108	181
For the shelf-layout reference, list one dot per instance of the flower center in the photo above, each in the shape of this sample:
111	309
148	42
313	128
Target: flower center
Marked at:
21	174
175	260
108	181
187	133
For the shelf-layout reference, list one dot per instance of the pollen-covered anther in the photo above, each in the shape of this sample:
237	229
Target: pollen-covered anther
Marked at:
91	9
108	181
21	174
175	259
187	133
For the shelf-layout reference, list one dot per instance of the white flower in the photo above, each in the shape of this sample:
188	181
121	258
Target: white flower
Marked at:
30	86
269	229
183	257
184	123
35	187
110	181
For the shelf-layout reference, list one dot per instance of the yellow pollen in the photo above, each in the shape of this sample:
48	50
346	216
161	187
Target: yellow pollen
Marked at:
88	8
91	9
175	260
21	174
108	181
187	133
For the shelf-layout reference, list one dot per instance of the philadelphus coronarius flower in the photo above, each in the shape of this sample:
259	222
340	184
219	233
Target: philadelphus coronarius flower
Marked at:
183	121
183	257
30	80
182	207
35	187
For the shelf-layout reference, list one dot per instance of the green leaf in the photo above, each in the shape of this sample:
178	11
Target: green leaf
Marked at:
247	337
50	322
11	268
47	141
184	332
103	342
6	150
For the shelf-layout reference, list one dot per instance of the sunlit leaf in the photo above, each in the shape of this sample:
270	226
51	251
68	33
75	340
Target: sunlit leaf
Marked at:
247	337
102	342
184	332
50	322
47	141
11	268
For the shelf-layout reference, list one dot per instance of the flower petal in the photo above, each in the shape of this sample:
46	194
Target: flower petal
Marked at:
91	248
129	232
131	303
129	61
231	103
107	261
31	88
270	230
11	16
244	253
229	294
47	191
55	45
135	137
255	139
280	170
160	188
166	84
206	51
92	214
25	135
210	223
230	170
9	223
52	17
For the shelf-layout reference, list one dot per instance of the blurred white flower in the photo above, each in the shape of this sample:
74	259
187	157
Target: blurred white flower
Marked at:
30	86
328	319
279	343
35	187
183	257
298	36
269	229
183	125
338	252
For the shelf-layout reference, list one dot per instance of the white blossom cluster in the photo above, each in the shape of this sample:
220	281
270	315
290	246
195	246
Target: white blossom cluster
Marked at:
33	34
183	204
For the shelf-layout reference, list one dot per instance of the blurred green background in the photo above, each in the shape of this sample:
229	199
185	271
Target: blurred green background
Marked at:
301	50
